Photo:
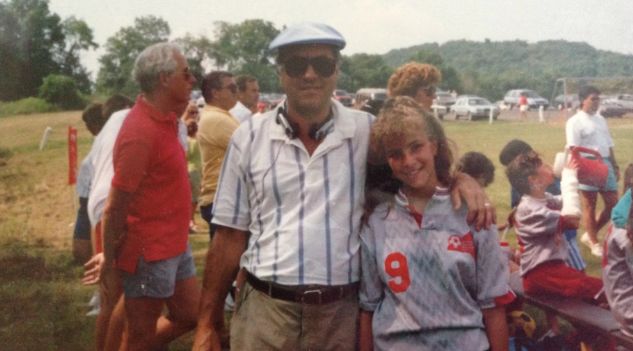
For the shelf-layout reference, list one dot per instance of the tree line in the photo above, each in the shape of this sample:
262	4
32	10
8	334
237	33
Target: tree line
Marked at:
38	47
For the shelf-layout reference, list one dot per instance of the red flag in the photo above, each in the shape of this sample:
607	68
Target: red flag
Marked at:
72	155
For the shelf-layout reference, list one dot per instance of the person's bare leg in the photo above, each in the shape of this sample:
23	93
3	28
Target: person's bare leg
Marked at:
588	201
610	199
110	290
142	314
116	327
183	312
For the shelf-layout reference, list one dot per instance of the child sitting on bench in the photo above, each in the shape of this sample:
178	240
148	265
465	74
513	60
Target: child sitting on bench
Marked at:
540	220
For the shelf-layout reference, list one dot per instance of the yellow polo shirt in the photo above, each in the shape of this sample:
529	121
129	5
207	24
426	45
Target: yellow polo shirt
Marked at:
214	133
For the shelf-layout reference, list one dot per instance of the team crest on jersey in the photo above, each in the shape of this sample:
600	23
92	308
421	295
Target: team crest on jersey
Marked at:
462	243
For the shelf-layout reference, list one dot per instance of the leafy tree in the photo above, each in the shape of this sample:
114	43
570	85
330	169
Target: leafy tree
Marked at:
29	35
243	49
364	70
62	91
78	36
115	73
198	51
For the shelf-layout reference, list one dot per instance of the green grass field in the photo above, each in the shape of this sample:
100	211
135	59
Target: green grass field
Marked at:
42	303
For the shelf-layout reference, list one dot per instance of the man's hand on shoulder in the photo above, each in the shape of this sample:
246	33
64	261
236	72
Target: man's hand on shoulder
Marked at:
481	212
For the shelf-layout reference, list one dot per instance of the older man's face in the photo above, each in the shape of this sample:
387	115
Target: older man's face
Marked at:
180	82
309	90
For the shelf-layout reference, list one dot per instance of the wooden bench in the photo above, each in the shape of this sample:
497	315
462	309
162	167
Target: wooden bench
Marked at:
582	315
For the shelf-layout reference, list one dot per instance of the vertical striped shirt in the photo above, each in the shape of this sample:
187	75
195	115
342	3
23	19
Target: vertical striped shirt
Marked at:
302	211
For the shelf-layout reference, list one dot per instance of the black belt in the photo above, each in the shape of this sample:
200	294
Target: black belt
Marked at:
307	294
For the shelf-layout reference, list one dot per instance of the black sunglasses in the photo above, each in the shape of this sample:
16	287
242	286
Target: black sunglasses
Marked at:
296	66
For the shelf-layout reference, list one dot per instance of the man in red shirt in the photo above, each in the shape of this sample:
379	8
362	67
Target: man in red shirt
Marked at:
146	219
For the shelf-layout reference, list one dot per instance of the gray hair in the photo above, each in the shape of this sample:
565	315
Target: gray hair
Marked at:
154	60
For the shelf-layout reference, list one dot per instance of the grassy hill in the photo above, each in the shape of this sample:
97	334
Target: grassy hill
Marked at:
490	68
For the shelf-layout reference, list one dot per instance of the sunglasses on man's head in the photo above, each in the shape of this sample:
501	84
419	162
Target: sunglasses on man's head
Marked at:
296	66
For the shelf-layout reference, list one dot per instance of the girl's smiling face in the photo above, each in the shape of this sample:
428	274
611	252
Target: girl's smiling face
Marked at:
412	160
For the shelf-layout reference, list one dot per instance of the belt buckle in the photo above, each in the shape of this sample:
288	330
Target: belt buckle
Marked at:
312	297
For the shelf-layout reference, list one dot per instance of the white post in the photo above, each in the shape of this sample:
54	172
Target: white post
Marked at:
491	115
541	117
47	133
435	113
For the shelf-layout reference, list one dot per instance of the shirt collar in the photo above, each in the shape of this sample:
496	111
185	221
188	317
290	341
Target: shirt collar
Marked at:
153	112
344	127
402	200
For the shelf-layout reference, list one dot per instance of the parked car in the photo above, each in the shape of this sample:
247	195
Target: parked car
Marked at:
343	97
473	107
611	106
365	94
623	100
442	103
534	100
566	101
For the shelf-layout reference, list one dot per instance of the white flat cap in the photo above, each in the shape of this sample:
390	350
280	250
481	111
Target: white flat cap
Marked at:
308	33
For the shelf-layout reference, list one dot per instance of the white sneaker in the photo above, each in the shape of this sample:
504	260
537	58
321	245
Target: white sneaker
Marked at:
596	248
94	300
584	238
93	312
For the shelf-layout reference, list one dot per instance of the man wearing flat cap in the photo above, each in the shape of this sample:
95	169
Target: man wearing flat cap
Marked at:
288	211
293	179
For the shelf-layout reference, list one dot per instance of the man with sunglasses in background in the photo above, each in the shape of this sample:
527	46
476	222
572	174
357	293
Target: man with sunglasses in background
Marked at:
214	132
146	217
288	211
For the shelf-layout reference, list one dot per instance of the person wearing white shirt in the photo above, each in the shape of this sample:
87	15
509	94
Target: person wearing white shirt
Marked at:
247	98
587	128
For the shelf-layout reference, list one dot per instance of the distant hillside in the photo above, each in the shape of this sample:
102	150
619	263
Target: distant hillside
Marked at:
490	68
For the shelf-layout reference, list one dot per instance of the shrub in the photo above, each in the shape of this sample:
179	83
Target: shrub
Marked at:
62	91
26	106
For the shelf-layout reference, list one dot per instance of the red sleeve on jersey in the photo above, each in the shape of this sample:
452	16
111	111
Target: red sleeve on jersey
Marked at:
505	299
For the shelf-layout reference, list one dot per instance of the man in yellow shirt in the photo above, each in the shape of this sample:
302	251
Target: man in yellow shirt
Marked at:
214	133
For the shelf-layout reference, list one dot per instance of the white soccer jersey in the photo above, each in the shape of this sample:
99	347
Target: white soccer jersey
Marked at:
426	284
302	211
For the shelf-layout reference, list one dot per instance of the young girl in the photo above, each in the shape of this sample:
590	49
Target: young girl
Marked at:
429	280
540	220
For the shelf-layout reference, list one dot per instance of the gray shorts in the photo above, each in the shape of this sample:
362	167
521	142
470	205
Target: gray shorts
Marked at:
158	279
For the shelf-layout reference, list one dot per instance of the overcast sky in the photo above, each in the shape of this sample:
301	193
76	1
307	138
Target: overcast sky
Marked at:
377	26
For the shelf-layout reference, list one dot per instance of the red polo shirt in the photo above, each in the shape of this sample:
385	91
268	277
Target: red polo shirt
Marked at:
150	163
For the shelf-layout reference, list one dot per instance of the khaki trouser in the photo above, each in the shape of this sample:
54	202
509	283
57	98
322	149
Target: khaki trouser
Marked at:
263	323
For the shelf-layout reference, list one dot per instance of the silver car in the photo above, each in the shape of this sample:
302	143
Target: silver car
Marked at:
473	107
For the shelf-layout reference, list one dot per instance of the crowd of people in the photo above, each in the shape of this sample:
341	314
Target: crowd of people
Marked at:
330	228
